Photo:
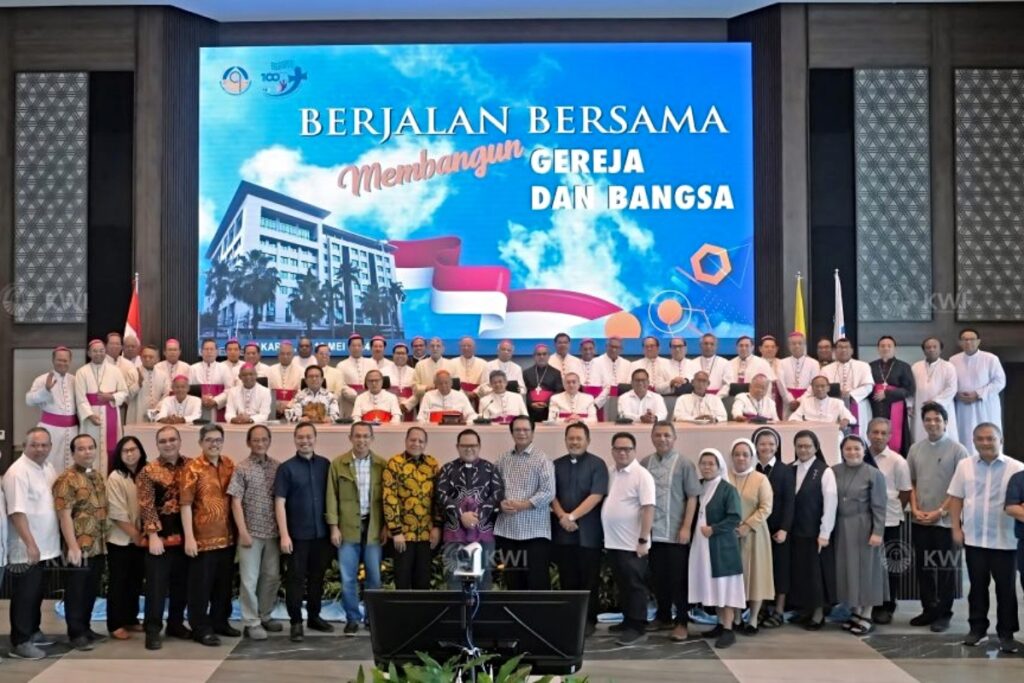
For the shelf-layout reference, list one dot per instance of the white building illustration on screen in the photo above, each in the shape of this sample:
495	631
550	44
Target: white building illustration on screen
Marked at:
265	234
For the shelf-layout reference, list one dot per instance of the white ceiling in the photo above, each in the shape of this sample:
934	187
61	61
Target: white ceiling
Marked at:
311	10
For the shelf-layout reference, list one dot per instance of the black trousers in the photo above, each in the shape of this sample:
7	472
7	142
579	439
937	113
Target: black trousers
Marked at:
630	574
80	590
935	563
209	590
670	564
892	535
579	569
127	565
305	569
984	565
412	566
166	576
26	603
526	563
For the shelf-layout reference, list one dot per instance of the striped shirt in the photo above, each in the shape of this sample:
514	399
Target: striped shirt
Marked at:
982	487
528	475
362	468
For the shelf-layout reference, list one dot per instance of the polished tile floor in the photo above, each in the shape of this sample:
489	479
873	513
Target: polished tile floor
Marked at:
895	653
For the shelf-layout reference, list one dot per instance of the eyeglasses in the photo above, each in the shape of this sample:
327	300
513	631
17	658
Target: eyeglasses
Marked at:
468	446
622	449
213	442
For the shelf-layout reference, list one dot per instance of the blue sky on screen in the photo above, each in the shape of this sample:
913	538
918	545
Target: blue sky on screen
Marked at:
625	257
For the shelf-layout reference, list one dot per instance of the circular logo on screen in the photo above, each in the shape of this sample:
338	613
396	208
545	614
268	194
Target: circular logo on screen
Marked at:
235	80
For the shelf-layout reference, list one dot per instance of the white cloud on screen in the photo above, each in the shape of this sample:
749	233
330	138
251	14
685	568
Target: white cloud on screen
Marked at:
418	62
731	330
581	250
207	222
396	212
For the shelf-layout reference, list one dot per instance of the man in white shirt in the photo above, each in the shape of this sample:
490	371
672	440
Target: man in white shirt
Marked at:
818	406
100	390
154	385
54	394
499	405
561	359
232	360
755	405
745	366
572	405
172	365
641	404
249	402
710	362
616	369
627	514
353	373
251	355
977	497
332	376
934	381
314	403
594	378
378	345
699	406
375	404
513	371
427	367
305	357
131	350
418	352
797	370
284	377
471	370
898	487
179	407
979	379
681	368
114	349
657	368
854	379
442	400
34	537
403	384
213	379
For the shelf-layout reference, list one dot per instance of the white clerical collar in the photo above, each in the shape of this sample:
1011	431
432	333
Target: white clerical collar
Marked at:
770	463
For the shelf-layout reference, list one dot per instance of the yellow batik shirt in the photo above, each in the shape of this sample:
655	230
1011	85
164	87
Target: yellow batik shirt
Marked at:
408	486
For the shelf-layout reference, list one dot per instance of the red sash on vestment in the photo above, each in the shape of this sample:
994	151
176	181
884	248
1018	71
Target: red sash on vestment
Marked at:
377	416
540	395
111	424
595	392
897	413
54	420
213	390
564	415
436	415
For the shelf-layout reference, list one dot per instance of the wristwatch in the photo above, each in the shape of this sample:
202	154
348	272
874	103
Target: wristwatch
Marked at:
571	518
642	541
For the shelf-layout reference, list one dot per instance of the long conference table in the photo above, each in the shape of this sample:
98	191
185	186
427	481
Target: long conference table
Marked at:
389	439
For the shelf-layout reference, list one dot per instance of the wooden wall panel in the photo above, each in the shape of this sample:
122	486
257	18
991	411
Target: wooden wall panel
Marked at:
79	39
991	35
845	36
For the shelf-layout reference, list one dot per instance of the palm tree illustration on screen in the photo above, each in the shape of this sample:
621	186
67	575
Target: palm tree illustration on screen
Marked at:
397	296
348	275
255	284
219	279
310	300
376	306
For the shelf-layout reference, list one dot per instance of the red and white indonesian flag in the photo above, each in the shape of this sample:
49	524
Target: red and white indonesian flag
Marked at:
133	324
486	291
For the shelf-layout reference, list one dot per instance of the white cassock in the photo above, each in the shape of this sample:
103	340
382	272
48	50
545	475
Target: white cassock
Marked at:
745	405
472	373
403	386
502	407
214	380
253	402
981	372
568	364
307	397
153	387
596	380
353	377
513	372
564	408
172	371
715	367
423	375
127	368
689	407
853	376
685	368
382	402
304	362
59	414
618	370
189	410
743	370
262	370
333	380
233	369
90	380
827	409
284	382
934	382
633	407
796	375
659	372
434	402
385	365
